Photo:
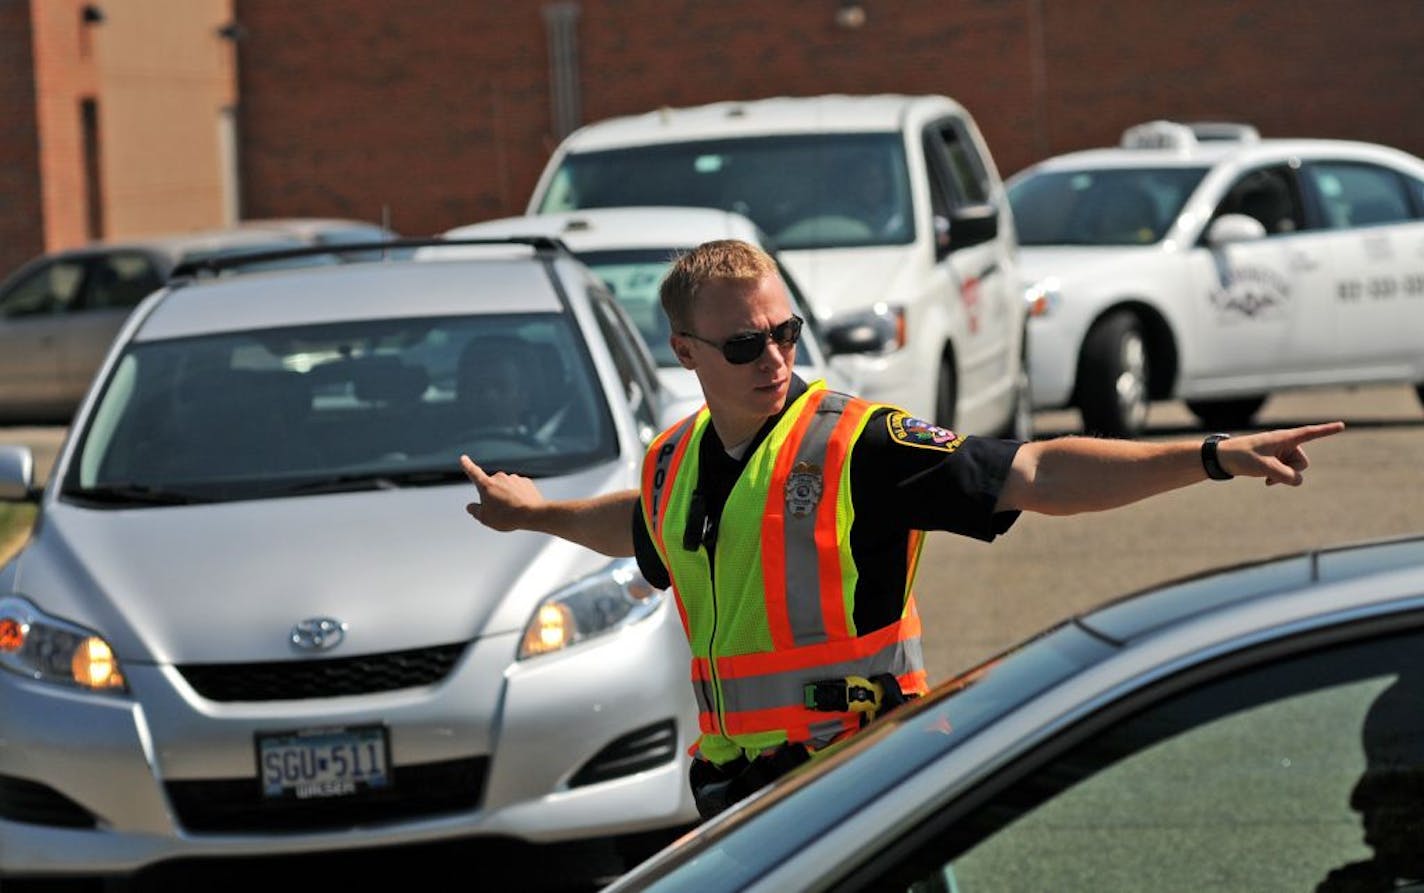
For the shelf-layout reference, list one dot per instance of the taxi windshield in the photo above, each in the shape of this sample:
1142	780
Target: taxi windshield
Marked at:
833	190
370	404
1111	206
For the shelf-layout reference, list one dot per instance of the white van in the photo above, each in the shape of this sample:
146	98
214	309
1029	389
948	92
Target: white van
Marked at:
888	210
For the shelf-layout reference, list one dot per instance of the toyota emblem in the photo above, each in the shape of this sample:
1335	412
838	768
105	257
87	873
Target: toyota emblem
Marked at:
318	633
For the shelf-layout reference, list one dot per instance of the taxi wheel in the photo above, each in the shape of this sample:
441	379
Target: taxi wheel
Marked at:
1112	377
1419	392
1221	415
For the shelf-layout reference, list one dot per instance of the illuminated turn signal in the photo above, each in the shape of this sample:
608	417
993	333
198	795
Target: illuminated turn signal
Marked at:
12	634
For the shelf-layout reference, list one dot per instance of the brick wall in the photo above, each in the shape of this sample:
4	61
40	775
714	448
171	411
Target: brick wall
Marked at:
64	71
441	110
20	207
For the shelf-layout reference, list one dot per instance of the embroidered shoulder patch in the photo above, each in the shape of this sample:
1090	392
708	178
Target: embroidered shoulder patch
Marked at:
911	431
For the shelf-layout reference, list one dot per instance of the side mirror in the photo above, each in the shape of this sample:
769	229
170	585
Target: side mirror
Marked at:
1231	228
870	331
17	474
966	226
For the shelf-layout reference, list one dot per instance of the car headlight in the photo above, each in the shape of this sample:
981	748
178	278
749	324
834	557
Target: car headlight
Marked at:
601	603
46	648
1043	296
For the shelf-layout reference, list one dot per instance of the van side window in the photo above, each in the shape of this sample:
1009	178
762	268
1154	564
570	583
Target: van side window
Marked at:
953	152
119	281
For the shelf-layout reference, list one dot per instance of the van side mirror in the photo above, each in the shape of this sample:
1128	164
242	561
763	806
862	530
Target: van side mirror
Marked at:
965	226
868	331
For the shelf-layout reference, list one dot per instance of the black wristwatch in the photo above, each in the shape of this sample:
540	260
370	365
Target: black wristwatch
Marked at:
1210	461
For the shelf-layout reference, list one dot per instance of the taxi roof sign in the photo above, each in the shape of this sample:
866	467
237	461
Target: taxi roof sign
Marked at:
1183	136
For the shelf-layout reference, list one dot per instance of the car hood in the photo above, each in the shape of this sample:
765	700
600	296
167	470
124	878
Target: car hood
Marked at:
1039	262
839	280
227	582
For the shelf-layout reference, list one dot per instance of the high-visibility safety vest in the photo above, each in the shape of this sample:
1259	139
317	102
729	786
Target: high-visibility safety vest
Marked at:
773	609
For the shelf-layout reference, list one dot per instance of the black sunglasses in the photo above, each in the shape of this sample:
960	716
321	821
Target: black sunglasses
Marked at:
746	347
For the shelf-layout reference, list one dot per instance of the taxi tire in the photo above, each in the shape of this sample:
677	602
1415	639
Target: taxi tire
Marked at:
1113	387
1226	415
1419	392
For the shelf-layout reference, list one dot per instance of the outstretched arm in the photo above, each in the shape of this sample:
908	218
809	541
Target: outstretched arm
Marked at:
512	502
1084	474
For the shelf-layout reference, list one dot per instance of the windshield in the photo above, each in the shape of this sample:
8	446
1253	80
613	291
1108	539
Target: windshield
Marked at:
833	190
633	275
747	842
1116	206
355	405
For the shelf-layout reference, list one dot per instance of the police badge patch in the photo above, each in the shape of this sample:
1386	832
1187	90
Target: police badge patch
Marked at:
803	489
915	432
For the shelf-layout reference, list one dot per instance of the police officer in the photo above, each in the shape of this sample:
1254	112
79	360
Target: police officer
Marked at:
789	519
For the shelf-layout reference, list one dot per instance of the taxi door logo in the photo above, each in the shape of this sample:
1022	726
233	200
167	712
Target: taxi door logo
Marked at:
803	489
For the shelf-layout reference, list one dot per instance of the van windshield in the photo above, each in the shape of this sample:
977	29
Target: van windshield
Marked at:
835	190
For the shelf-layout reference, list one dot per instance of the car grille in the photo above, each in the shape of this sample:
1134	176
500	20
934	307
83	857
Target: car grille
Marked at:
237	804
38	804
638	750
297	679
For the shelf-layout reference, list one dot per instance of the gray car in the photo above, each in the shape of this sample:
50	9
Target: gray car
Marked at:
60	312
254	617
1256	728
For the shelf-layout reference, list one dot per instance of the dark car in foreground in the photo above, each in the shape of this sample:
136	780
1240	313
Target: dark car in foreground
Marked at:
1254	728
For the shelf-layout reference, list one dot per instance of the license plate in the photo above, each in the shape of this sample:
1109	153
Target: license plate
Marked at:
323	762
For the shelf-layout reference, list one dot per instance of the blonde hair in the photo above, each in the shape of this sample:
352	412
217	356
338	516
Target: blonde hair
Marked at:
720	260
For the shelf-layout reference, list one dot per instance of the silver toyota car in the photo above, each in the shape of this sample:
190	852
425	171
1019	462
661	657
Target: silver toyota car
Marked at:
255	618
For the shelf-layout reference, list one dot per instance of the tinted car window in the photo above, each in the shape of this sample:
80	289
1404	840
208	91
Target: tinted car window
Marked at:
120	281
1359	194
293	410
50	289
1263	780
824	191
1123	206
1269	196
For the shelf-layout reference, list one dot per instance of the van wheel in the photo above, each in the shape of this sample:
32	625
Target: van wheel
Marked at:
946	393
1221	415
1419	392
1112	377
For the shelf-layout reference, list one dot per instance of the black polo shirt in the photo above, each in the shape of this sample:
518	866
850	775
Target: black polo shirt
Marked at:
905	475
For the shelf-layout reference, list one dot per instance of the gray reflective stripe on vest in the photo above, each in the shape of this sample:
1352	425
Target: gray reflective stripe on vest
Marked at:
774	690
661	463
703	691
803	569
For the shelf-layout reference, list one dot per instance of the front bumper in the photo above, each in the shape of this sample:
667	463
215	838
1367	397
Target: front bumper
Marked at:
530	727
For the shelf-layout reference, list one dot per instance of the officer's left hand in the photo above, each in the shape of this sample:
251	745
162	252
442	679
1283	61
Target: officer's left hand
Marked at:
1274	455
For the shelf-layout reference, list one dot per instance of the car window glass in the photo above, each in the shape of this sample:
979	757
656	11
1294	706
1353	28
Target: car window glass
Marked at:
968	181
1261	781
1359	194
120	281
269	412
1111	206
829	190
50	289
638	383
1267	195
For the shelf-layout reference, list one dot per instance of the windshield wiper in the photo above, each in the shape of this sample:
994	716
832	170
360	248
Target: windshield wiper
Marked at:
134	494
377	480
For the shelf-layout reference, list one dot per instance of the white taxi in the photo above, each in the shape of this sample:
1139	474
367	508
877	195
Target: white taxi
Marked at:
1205	263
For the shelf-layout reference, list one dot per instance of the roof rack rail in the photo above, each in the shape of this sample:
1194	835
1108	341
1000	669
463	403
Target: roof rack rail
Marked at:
353	252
